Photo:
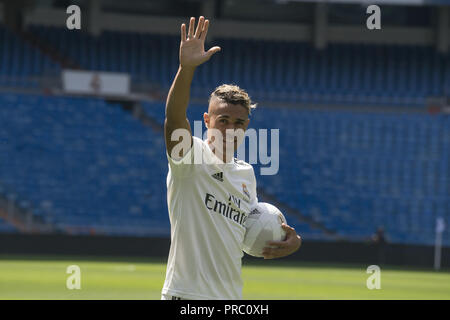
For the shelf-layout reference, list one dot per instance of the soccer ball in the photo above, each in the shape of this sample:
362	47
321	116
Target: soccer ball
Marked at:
263	224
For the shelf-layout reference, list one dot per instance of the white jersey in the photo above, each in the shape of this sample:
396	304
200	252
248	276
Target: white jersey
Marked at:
208	205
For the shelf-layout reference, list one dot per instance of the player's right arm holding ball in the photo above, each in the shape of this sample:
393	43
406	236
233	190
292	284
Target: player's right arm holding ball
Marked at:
192	54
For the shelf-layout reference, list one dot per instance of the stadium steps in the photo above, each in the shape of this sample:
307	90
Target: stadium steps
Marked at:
136	109
264	196
139	113
22	66
23	220
47	49
12	222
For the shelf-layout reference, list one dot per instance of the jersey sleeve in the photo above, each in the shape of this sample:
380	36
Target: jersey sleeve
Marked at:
186	166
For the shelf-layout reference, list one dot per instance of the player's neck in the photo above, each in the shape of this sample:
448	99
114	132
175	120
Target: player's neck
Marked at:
223	157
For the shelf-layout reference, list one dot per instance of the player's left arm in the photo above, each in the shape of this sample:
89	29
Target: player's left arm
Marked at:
279	249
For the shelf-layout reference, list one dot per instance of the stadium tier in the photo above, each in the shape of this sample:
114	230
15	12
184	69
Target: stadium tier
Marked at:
282	71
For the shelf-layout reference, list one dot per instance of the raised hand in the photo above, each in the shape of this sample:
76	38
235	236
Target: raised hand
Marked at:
192	47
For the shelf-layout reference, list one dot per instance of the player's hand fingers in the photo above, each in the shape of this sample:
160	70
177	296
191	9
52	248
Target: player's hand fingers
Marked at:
272	253
191	28
211	51
269	256
278	244
277	249
268	253
288	229
290	233
205	30
183	32
280	249
199	29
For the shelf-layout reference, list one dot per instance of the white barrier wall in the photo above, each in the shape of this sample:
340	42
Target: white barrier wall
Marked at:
95	83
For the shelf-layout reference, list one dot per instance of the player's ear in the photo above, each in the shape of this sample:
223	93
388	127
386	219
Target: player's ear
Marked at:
206	119
246	123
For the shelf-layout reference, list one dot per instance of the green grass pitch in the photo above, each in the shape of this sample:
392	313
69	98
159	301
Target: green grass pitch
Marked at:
30	277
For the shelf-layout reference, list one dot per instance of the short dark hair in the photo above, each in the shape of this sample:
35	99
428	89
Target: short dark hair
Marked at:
231	93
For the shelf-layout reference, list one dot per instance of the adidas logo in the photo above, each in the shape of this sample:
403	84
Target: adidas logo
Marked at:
218	176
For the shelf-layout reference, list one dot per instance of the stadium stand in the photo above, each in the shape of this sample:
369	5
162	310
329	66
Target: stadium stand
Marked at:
355	74
356	171
96	169
83	154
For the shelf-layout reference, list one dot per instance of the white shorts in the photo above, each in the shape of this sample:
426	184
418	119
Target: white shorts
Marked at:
169	297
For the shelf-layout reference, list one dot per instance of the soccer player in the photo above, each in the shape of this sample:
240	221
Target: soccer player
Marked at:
209	193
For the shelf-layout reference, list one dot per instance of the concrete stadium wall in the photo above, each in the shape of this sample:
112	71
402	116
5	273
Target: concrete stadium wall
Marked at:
240	29
311	251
